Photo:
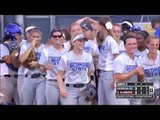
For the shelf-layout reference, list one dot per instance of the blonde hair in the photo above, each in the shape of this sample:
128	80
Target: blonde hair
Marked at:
150	37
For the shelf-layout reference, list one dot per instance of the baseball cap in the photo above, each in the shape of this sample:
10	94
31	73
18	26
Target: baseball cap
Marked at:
86	26
135	28
79	37
29	28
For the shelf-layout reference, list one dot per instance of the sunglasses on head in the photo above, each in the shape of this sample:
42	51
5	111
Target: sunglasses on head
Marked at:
55	36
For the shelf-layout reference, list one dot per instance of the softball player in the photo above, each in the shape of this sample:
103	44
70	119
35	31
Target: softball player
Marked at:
49	61
9	85
126	70
117	32
4	70
142	49
107	53
151	62
34	81
76	66
21	68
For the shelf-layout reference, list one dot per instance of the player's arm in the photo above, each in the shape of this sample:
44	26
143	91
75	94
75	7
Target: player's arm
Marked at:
24	55
121	77
5	54
7	59
60	74
15	60
62	90
119	67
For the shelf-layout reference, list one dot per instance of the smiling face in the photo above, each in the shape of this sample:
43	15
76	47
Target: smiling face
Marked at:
131	45
153	44
79	44
57	38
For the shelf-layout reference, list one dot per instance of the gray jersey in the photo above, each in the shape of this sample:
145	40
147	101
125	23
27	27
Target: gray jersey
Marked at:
38	52
140	53
107	49
124	64
151	70
91	47
53	56
3	52
76	70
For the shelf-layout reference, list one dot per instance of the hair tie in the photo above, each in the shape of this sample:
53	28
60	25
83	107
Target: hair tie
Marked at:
108	25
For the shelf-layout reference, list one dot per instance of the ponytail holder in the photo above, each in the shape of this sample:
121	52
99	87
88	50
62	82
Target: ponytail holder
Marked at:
108	25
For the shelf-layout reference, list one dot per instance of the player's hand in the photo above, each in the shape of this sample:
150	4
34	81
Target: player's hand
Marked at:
113	84
34	42
49	66
33	64
139	70
63	93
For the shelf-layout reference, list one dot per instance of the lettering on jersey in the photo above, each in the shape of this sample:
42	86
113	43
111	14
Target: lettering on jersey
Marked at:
54	60
101	48
79	66
152	72
38	55
131	67
87	49
121	51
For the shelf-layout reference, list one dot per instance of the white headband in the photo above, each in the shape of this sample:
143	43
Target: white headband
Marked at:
128	23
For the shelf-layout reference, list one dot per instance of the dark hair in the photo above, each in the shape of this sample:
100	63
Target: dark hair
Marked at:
103	21
127	37
154	21
67	34
145	34
56	30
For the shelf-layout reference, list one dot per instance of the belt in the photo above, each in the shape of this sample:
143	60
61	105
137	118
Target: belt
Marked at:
75	85
2	61
101	71
54	79
15	76
36	75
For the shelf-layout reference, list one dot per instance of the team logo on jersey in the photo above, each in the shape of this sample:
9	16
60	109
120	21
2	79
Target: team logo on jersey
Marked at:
152	72
79	66
131	67
54	60
38	55
101	48
87	49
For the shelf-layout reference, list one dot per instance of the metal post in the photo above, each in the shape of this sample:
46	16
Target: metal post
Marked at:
52	22
2	25
20	20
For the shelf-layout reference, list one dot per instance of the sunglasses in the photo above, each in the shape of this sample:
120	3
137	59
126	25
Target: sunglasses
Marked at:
57	36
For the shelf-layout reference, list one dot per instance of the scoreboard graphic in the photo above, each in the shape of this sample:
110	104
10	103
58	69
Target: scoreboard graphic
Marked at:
134	90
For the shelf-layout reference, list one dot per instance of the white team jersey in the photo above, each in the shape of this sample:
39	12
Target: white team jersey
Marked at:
76	70
124	64
21	68
91	47
38	52
67	45
151	70
139	54
107	49
53	56
121	47
23	42
11	72
3	67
